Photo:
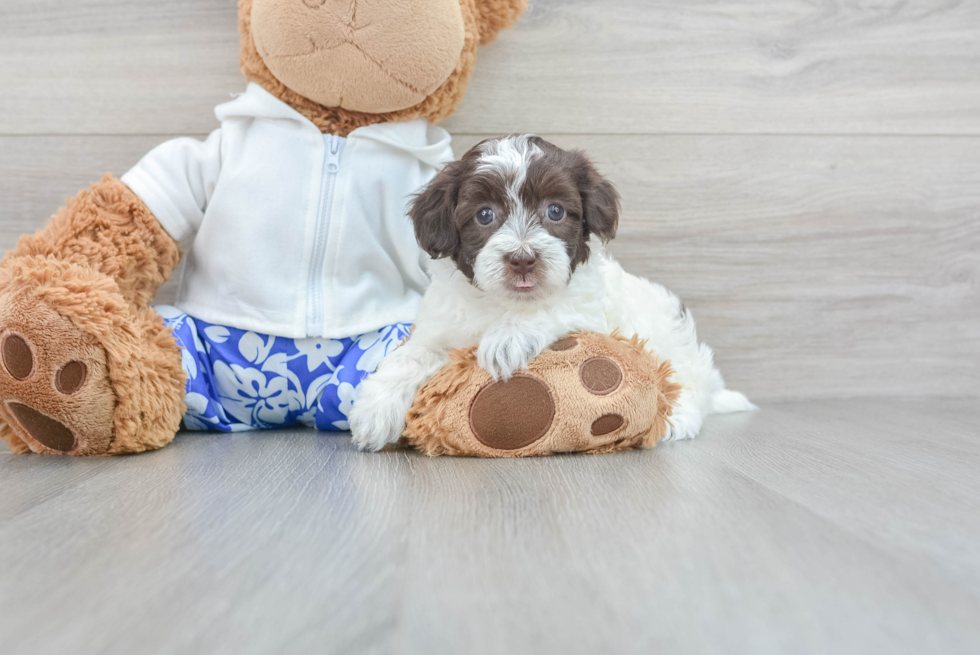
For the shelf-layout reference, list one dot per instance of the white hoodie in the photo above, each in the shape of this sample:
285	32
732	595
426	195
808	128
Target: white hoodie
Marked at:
288	231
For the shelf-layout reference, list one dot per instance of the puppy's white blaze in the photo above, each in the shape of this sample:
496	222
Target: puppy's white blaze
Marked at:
509	158
518	228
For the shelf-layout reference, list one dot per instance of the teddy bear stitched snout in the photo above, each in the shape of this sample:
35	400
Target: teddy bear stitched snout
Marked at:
382	56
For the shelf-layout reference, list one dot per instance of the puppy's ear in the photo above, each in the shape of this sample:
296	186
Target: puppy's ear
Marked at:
432	212
600	201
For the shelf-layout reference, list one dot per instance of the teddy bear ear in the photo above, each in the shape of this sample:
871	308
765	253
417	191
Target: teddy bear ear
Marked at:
496	15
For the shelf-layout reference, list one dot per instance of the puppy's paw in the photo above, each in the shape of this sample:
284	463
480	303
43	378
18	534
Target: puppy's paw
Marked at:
376	418
502	352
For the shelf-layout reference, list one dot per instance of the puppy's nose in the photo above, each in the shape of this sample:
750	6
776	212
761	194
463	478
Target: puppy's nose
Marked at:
522	264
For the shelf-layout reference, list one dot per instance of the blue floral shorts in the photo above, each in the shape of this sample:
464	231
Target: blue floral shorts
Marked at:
239	380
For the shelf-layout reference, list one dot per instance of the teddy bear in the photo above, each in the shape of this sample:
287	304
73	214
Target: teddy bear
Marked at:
586	392
301	269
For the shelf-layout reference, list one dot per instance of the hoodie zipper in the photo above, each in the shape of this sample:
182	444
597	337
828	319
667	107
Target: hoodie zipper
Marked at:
333	147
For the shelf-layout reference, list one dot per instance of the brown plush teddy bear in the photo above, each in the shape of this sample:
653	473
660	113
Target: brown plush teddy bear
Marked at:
312	166
586	393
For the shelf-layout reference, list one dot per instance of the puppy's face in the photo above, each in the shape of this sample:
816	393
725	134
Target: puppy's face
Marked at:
515	215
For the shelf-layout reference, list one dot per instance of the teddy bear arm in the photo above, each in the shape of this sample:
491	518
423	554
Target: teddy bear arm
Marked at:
107	227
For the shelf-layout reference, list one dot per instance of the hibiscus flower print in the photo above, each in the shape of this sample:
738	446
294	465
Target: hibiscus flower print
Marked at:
377	344
242	380
250	398
346	393
319	352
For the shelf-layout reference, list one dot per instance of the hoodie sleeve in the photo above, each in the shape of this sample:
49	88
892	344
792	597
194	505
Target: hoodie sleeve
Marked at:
176	180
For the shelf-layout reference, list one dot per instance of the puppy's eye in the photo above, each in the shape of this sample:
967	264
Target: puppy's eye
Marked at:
485	216
556	212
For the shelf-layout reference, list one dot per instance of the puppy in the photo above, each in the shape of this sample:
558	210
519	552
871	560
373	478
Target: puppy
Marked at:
516	231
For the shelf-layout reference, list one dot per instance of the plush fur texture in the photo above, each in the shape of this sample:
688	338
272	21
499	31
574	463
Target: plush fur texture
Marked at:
133	397
485	295
109	228
482	20
440	421
76	294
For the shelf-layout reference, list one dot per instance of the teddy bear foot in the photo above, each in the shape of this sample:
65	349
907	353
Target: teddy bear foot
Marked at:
587	392
55	395
80	372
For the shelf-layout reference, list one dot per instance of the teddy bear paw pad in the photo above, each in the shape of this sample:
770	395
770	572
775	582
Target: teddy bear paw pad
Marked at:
565	343
70	377
600	375
55	394
606	424
17	357
512	414
49	432
18	360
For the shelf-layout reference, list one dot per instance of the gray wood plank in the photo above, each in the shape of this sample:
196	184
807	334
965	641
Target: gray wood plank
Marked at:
116	66
628	66
816	266
834	526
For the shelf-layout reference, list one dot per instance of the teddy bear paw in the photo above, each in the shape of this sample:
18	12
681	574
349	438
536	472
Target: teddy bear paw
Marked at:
586	392
55	395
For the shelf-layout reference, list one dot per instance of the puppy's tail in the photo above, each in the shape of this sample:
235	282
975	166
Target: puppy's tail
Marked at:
727	401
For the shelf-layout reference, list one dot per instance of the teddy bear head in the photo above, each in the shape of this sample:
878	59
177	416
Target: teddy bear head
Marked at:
348	63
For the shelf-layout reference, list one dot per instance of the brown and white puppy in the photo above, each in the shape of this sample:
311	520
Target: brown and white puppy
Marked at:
516	231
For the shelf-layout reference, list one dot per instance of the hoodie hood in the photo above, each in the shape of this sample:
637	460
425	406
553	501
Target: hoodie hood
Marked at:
427	143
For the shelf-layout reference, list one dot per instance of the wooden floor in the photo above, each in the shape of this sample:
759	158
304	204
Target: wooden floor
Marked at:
817	527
